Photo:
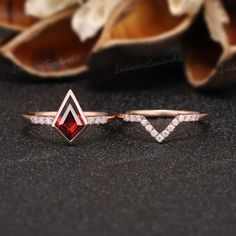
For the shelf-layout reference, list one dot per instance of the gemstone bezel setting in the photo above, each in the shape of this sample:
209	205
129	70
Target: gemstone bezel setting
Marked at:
70	120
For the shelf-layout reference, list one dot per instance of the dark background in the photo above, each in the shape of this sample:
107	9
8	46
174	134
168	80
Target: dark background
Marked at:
116	180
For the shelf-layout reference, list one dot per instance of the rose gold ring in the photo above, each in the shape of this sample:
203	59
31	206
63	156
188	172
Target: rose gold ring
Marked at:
140	116
69	120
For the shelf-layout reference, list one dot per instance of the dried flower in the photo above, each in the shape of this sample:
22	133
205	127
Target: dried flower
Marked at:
207	29
87	21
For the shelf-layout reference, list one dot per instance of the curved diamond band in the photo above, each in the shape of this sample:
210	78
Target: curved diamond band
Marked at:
140	116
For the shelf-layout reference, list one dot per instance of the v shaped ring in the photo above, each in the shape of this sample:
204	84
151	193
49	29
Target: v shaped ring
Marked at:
139	116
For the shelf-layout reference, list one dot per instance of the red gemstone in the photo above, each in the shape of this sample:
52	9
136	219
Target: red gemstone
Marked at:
70	129
70	120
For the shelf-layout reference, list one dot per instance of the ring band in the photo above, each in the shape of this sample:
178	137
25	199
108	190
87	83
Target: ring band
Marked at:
47	117
166	113
70	120
140	116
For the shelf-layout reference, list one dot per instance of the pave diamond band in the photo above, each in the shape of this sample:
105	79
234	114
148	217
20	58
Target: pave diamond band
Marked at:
139	116
35	119
69	127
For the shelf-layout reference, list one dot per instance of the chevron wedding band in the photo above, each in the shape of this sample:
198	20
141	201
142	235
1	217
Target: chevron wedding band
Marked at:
69	120
140	116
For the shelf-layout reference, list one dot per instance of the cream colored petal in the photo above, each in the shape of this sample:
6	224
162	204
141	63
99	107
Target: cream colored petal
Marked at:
44	8
180	7
92	16
216	17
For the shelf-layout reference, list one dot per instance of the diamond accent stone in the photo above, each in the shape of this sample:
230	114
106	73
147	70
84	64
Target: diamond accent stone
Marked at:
167	131
34	120
170	128
149	128
41	120
175	122
194	117
90	120
154	133
137	118
181	118
126	118
48	120
97	120
131	118
188	118
101	120
159	138
144	122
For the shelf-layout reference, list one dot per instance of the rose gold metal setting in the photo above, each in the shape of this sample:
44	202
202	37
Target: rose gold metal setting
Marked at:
140	116
68	107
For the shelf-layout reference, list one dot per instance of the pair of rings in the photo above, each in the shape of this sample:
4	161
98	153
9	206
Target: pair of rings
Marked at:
70	120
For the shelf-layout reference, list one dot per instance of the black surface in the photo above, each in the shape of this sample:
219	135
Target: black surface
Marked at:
116	180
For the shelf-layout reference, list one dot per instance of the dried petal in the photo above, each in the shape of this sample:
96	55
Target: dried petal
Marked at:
42	51
143	21
216	18
5	35
92	16
230	27
45	8
180	7
12	15
211	46
201	55
144	29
